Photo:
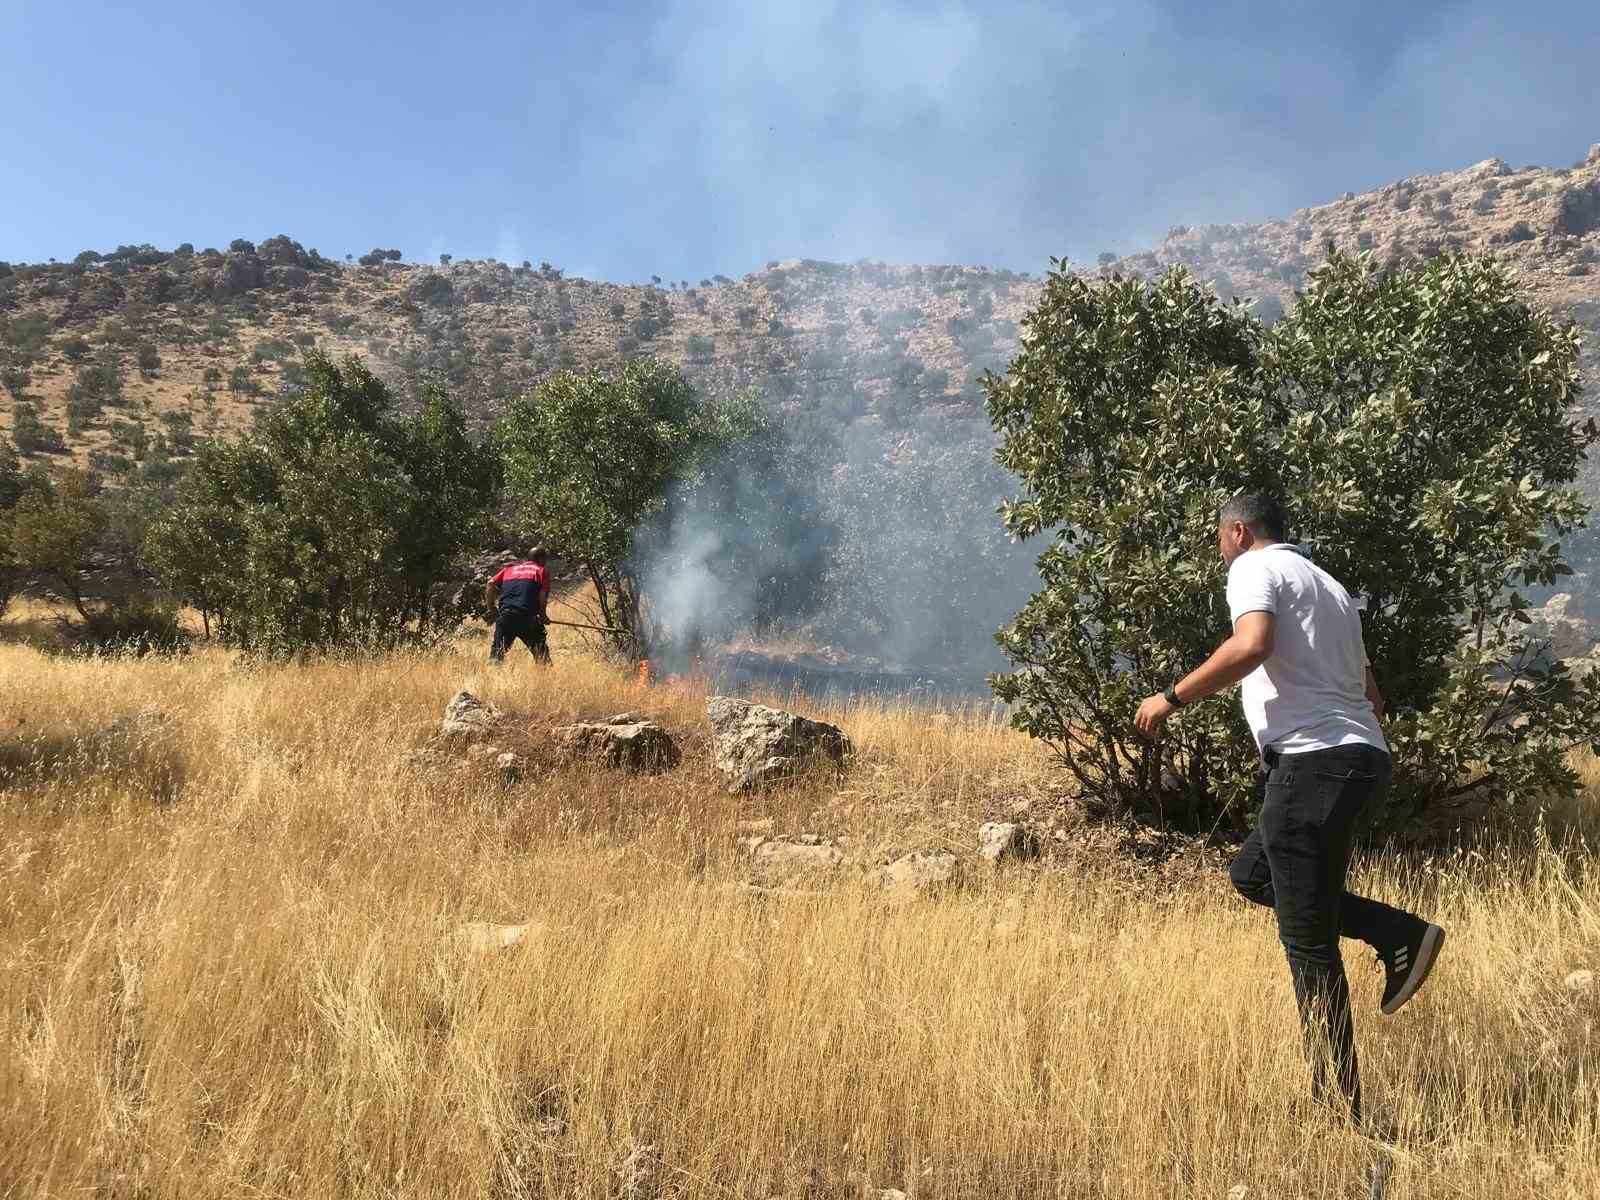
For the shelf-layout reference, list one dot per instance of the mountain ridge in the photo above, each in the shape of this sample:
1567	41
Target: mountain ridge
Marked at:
142	347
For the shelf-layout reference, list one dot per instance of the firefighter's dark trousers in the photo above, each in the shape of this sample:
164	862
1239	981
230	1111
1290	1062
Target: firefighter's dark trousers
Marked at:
513	623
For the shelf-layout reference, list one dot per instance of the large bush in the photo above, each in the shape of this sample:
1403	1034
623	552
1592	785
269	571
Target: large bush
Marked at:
330	524
1420	424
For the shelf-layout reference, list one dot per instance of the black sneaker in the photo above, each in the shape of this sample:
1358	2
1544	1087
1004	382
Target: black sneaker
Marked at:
1406	967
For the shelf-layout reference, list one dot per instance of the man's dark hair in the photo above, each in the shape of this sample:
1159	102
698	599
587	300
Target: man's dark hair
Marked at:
1261	511
537	554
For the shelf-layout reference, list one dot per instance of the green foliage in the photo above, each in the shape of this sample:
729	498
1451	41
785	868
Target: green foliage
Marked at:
591	459
92	389
328	526
15	380
51	531
272	350
242	383
31	435
1419	423
149	360
13	484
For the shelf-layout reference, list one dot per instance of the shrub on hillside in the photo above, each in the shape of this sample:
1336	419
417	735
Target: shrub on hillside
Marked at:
432	289
31	435
1419	422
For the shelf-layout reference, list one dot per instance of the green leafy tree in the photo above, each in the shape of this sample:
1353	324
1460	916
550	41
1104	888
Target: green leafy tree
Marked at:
1419	423
52	530
591	459
331	524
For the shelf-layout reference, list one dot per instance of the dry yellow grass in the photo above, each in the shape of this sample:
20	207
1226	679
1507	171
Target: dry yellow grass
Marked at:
229	967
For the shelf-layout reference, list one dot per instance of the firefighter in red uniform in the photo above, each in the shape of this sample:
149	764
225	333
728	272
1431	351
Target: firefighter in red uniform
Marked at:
517	597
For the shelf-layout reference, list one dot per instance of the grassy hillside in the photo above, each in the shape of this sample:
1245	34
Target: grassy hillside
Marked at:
233	965
863	344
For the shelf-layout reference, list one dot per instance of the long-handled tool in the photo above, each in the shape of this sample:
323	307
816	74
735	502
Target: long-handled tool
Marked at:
581	625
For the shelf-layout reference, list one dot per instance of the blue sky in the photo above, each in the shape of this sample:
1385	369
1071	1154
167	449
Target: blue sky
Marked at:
686	137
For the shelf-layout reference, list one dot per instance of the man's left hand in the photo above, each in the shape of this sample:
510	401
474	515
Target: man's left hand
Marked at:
1151	715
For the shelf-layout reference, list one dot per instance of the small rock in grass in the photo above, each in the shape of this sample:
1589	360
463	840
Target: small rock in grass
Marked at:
793	857
483	936
1007	841
512	767
468	716
920	870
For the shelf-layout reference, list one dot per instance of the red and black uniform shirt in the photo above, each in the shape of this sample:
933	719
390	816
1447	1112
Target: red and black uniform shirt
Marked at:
520	585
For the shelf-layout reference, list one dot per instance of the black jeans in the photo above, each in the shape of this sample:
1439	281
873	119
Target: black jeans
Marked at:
513	623
1317	805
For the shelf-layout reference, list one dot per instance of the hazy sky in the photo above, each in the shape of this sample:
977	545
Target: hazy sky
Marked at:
689	137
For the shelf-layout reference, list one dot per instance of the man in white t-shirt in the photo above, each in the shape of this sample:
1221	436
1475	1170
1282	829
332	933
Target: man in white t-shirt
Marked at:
1313	705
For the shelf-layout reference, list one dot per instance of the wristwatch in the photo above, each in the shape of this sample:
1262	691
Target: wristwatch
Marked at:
1171	696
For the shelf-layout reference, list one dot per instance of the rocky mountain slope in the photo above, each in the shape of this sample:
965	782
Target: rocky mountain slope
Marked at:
118	358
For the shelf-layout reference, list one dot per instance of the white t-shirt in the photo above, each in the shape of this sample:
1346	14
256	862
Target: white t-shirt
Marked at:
1311	693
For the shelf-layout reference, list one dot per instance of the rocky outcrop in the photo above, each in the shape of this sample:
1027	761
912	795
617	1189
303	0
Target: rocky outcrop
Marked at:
1578	212
468	716
754	745
623	741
